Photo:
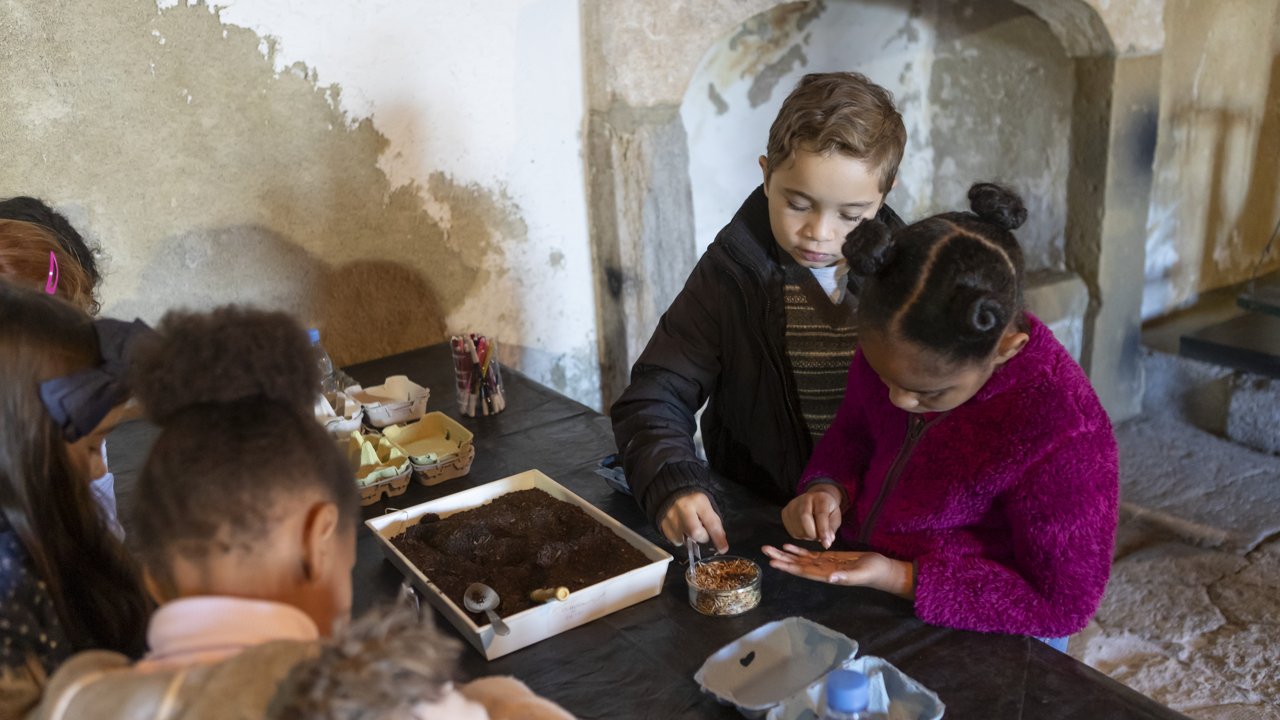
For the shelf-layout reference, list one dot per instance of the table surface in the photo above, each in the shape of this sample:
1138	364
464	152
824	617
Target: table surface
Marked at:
640	661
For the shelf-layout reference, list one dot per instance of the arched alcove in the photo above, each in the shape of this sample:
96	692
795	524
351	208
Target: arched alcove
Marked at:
984	86
1091	174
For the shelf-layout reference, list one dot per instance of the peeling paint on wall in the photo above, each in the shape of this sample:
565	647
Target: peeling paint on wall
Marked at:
766	80
764	48
210	170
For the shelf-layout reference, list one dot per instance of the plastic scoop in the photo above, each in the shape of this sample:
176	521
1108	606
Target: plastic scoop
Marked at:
482	598
695	551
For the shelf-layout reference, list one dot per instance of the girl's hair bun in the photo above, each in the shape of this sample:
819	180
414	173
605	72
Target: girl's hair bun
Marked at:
977	312
868	247
224	356
997	205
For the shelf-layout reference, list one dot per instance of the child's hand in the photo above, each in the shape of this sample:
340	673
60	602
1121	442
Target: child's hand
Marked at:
693	516
815	514
867	569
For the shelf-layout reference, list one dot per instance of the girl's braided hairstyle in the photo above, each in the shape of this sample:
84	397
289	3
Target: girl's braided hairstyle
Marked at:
951	283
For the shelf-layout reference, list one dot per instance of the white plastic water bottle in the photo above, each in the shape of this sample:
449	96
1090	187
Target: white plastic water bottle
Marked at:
328	383
846	696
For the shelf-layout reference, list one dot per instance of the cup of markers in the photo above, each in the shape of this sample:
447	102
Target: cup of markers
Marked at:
477	375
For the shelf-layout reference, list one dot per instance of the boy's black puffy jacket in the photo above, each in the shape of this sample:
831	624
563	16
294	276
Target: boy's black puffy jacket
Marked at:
721	342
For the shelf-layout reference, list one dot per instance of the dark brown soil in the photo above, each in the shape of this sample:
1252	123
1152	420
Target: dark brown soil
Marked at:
518	543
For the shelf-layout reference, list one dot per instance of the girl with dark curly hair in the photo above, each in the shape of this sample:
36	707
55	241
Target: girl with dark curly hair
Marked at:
970	455
245	524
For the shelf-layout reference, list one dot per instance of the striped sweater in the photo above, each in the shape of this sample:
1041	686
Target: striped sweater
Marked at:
820	339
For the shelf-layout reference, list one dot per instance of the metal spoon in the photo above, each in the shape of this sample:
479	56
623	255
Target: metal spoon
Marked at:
482	598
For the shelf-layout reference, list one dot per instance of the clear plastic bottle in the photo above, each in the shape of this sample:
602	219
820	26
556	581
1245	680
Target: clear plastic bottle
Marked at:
846	696
328	381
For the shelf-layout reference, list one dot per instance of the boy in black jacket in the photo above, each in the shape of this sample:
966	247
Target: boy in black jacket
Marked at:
763	330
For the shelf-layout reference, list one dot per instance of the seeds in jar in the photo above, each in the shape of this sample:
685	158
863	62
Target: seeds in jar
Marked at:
727	575
724	587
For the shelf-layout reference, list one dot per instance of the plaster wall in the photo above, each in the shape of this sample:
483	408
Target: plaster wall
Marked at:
389	171
984	87
1216	190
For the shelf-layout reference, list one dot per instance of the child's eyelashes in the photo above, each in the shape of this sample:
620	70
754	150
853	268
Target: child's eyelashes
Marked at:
853	219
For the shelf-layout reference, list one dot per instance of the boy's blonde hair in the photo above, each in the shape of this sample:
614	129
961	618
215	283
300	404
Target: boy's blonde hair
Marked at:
840	112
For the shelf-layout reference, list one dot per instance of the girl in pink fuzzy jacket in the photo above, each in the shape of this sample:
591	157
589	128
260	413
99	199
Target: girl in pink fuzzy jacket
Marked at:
970	454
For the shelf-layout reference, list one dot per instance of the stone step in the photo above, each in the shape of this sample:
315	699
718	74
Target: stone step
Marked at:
1262	295
1249	342
1196	486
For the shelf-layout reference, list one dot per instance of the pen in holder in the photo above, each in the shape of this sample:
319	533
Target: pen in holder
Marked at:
477	375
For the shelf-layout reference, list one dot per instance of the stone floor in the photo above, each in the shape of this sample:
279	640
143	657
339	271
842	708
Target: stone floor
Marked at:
1192	614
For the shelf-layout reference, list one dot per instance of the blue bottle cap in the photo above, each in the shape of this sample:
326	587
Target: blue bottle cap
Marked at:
314	334
846	691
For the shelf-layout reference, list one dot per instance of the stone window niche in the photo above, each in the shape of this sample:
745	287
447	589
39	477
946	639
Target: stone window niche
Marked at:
1030	93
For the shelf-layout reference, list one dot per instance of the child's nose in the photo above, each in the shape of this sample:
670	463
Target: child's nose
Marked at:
821	229
903	399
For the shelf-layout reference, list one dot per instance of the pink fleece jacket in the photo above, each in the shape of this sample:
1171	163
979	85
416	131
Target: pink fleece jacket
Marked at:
1007	504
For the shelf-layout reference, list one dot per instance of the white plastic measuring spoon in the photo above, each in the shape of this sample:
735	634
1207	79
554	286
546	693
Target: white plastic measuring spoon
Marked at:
482	598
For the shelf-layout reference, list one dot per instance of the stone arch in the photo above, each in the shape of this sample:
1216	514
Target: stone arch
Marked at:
640	58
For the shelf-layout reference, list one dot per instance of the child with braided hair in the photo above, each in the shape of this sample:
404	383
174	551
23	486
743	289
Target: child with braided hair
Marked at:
971	456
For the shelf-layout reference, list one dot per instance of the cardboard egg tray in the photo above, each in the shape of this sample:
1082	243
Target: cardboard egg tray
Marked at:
398	400
439	448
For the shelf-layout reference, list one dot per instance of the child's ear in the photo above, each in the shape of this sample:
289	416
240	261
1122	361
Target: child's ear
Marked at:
764	170
1011	343
318	534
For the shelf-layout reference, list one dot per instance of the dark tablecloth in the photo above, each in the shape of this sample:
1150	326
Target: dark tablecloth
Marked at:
640	661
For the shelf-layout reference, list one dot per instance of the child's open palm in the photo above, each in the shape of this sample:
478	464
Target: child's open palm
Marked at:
867	569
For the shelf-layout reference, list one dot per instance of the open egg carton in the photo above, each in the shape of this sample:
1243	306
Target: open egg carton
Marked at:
397	400
439	448
778	672
382	468
339	413
389	437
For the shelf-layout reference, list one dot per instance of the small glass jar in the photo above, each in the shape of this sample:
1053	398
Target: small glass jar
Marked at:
724	585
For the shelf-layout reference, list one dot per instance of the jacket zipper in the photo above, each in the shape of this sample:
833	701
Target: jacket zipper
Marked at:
916	427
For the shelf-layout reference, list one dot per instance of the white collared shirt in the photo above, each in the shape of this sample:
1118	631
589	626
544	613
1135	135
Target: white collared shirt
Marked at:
830	281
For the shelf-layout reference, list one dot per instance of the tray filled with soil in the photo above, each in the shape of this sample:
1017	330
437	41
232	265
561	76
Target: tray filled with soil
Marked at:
527	537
